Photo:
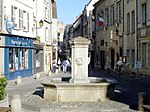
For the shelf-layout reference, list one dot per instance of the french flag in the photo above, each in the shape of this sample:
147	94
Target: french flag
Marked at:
101	20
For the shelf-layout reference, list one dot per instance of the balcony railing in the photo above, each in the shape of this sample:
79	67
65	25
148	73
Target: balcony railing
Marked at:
144	32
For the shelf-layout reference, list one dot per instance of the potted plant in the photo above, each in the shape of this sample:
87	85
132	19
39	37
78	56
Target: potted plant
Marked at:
4	101
3	83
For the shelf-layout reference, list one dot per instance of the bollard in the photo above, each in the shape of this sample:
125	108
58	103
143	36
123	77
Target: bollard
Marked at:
37	76
16	103
142	100
50	73
19	80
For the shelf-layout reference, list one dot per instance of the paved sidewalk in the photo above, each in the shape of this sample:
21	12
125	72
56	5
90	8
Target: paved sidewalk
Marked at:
31	92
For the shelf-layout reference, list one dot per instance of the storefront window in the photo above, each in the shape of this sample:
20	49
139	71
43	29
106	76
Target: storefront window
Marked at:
21	59
38	58
15	57
26	58
11	59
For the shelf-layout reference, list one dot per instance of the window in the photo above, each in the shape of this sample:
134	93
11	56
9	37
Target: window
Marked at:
20	19
102	15
144	13
112	14
144	54
14	16
107	16
26	58
133	58
12	12
102	42
38	58
21	59
46	13
128	23
24	20
11	59
119	11
133	21
27	21
18	59
128	56
46	34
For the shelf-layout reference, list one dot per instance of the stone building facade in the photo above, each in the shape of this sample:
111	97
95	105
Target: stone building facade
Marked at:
125	33
25	45
108	42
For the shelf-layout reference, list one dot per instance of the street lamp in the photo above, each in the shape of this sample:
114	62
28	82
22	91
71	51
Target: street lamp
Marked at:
41	23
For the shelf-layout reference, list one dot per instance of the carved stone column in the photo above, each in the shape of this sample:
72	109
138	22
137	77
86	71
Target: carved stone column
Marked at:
80	60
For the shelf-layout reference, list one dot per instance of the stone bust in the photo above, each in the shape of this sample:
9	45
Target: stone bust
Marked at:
79	61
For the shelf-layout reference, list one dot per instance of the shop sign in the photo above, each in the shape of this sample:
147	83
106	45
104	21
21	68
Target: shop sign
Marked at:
9	26
18	41
13	42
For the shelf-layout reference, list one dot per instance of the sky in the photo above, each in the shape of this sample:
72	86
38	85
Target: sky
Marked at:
67	10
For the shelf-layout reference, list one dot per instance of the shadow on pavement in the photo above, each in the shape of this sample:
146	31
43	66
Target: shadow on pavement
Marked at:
39	91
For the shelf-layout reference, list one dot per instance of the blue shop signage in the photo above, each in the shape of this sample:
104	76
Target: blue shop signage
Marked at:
9	26
18	41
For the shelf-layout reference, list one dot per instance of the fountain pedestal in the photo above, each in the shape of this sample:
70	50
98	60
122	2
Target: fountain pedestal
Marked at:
80	60
79	87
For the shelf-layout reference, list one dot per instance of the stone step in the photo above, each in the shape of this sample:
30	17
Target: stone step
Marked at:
34	103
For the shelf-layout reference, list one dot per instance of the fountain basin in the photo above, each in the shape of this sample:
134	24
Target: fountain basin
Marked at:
78	92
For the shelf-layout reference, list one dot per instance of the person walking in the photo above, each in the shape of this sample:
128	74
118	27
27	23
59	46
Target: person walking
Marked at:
68	65
59	65
65	65
54	65
119	65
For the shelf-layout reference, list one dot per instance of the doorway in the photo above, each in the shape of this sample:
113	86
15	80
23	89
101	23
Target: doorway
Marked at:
112	58
102	53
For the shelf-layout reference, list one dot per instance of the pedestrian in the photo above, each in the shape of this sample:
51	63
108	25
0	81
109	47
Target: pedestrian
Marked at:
65	65
119	65
59	64
54	65
68	65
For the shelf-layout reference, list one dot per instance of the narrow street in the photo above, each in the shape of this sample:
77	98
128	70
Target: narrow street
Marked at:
127	89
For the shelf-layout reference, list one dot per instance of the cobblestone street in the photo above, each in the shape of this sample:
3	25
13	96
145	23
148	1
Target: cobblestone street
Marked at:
31	92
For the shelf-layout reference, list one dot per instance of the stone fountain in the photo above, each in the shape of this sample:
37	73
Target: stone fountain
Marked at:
80	88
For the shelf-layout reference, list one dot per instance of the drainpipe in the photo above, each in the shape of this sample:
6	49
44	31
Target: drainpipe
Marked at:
137	42
123	53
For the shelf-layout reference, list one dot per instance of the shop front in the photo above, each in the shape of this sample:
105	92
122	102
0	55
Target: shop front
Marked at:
48	53
17	56
38	58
